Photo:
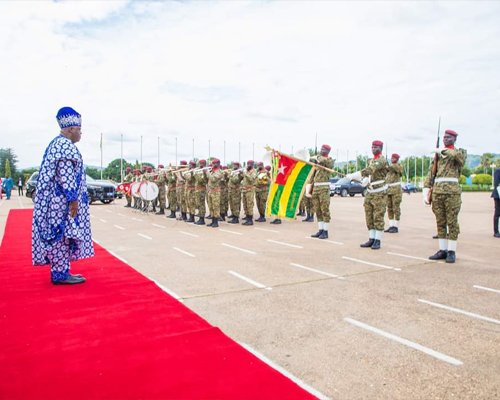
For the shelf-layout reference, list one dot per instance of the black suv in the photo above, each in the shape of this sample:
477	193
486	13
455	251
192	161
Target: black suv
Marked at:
344	187
96	189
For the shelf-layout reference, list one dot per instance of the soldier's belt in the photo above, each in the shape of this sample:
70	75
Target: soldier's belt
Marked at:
394	184
248	187
446	180
213	190
381	189
321	183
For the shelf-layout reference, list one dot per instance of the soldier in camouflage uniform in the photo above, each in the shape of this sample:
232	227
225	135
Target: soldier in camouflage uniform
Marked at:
129	178
189	191
162	191
248	191
201	192
214	177
262	191
394	194
234	193
375	201
172	193
224	193
321	192
308	205
446	195
150	177
137	200
181	199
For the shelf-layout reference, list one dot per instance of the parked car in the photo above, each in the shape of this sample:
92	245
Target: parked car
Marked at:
409	187
97	190
345	187
333	181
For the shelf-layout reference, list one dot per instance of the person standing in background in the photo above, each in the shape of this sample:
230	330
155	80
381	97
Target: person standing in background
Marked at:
20	190
496	198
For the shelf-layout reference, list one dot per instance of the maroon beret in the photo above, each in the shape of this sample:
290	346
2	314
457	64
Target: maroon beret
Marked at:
215	161
268	167
451	132
204	162
183	162
128	169
326	147
236	163
377	143
250	162
161	166
395	155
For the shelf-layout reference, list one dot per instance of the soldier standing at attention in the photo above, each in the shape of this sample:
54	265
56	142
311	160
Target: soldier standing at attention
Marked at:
446	195
261	191
172	193
234	193
161	181
321	192
201	181
150	177
137	200
308	206
375	201
181	198
190	191
224	193
394	194
248	192
214	177
129	178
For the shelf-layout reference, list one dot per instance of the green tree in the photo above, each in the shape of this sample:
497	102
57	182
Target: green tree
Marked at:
8	154
486	160
7	168
113	172
482	179
93	172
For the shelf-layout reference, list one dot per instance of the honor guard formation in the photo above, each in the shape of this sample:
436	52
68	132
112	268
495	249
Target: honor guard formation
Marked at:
232	192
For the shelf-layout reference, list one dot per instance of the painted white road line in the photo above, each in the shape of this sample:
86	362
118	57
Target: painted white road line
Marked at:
137	219
326	241
183	252
250	281
102	220
459	311
412	257
285	244
117	256
168	291
283	371
370	263
189	234
121	215
487	288
119	227
239	248
317	271
266	230
145	236
228	231
159	226
406	342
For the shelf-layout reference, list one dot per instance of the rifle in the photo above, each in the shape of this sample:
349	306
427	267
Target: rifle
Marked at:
434	165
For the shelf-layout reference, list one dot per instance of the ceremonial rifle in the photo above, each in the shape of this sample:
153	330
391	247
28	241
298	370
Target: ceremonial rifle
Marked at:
434	165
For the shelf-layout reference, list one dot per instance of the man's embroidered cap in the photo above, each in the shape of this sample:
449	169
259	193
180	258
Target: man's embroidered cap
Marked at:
67	117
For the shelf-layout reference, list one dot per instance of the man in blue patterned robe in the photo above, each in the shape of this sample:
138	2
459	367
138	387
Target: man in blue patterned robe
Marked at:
61	220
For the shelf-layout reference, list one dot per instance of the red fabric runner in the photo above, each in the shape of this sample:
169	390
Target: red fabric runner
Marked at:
117	336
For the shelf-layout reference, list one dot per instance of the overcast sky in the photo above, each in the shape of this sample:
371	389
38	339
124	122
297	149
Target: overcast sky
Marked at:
249	74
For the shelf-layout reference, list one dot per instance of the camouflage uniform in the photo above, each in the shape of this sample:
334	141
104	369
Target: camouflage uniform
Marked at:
190	194
446	193
394	194
128	179
214	178
261	192
375	201
224	193
307	204
234	191
248	192
201	193
172	193
137	199
181	198
162	190
321	190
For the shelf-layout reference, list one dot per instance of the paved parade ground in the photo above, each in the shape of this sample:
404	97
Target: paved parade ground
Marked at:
348	322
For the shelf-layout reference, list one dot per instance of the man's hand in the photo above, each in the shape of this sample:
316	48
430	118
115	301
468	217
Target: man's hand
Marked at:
73	208
425	194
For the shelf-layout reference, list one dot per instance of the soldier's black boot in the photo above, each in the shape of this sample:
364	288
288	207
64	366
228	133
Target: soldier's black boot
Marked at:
324	235
183	216
277	221
440	255
367	244
310	218
248	221
376	244
388	230
395	229
190	219
234	220
201	221
223	217
172	214
450	257
161	212
318	234
261	219
215	223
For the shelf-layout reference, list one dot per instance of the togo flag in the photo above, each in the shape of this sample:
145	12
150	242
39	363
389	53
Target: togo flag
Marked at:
287	187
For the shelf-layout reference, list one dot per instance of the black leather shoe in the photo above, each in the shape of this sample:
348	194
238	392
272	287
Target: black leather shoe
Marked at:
376	244
172	215
324	235
261	219
161	212
496	235
435	237
215	223
388	229
249	221
450	257
70	280
395	229
201	221
277	221
440	255
234	220
367	244
317	234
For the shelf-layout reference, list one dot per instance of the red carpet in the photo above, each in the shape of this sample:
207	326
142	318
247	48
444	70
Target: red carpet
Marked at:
118	336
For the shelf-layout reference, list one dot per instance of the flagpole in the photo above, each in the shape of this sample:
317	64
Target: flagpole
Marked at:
101	155
224	152
209	149
304	161
121	157
176	151
141	152
158	151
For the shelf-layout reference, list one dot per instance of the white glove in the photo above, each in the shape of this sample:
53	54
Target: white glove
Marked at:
355	176
365	182
425	194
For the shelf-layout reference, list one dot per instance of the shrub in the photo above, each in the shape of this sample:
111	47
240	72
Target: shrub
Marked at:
482	179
